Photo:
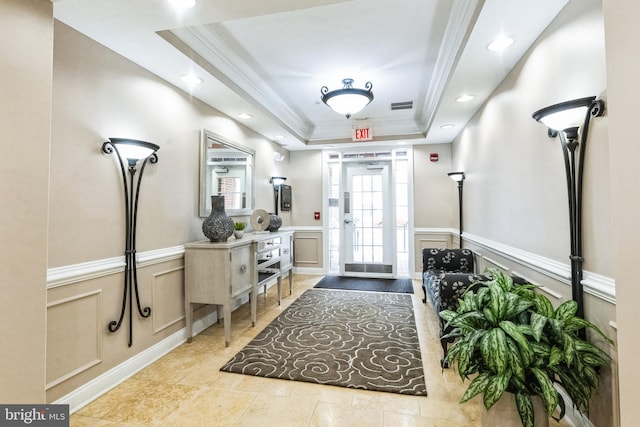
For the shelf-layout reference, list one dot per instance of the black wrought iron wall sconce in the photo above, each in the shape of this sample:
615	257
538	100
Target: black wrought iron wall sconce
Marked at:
130	152
459	178
570	121
276	181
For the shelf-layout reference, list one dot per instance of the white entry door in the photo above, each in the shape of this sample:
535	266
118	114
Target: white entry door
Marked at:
368	219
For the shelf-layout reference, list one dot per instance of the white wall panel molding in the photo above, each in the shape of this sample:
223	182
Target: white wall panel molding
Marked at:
160	255
594	284
66	275
87	337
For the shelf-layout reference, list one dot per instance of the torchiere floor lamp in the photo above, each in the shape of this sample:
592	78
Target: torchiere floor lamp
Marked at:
570	120
459	178
131	151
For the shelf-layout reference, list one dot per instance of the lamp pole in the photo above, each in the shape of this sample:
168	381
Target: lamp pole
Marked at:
459	177
570	121
133	151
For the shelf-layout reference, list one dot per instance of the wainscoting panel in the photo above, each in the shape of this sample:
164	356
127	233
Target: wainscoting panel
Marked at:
308	250
73	323
167	288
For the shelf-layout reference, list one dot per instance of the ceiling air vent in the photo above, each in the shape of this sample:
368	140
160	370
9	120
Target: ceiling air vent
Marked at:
406	105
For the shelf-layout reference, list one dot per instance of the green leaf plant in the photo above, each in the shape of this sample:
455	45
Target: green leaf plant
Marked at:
510	338
239	225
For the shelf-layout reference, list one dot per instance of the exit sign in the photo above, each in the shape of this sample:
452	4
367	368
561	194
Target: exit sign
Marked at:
362	132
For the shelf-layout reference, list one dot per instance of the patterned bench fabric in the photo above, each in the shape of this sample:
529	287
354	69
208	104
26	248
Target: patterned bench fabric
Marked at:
438	261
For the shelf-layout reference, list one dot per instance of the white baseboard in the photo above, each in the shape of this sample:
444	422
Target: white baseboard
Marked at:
309	271
95	388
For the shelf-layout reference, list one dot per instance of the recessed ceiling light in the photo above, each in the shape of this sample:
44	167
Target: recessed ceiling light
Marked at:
183	4
501	43
191	79
448	126
278	136
245	116
464	98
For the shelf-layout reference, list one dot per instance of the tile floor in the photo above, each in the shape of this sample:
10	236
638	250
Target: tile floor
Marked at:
186	387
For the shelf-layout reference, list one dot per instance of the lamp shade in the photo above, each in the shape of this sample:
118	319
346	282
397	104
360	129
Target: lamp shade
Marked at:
132	149
456	176
348	100
565	114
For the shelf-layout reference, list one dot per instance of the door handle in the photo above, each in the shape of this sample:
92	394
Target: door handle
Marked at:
348	221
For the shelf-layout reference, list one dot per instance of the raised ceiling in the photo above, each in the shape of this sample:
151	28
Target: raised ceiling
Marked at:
270	58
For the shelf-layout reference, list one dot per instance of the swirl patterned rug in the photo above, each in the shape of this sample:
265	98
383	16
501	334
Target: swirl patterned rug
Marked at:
364	340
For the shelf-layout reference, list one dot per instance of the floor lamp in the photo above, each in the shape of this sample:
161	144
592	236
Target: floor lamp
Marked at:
130	152
570	121
459	178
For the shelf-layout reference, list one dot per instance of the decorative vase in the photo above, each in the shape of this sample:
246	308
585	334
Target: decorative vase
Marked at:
238	234
218	227
504	413
275	222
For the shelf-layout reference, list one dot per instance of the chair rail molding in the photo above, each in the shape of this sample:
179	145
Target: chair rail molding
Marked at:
69	274
594	284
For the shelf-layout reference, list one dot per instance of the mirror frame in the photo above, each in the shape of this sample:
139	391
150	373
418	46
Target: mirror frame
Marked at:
205	177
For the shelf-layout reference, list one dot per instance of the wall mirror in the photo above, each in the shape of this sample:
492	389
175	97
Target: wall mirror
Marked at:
226	168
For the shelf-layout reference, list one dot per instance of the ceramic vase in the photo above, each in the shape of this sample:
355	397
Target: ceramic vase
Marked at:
218	227
275	222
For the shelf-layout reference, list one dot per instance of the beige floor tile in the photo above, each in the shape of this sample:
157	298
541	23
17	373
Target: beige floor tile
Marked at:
392	419
388	402
323	393
212	407
336	415
276	411
140	401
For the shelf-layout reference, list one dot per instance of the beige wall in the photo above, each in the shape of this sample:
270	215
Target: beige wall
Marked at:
435	195
25	117
98	94
515	189
623	69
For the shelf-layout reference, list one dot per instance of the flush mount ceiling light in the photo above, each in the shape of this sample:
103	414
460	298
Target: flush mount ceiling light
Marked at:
348	100
501	43
191	79
464	98
245	116
183	4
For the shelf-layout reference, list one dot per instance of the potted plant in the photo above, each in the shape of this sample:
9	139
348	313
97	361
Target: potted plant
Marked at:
239	229
509	338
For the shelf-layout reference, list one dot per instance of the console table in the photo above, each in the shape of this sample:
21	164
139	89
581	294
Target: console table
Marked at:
220	273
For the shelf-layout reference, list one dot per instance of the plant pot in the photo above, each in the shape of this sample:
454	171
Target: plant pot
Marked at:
504	413
238	234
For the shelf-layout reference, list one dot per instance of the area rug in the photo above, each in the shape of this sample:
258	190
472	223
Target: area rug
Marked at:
366	284
362	340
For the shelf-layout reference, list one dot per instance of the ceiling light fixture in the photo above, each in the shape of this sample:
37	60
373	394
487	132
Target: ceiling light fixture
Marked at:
245	116
183	4
447	126
464	98
191	79
501	43
348	100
